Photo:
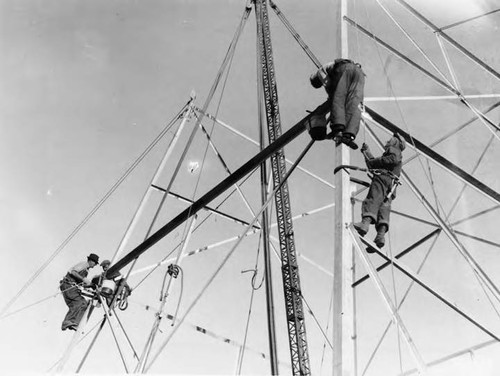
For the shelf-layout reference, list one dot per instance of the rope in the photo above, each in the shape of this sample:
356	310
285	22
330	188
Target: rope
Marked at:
198	226
37	302
93	211
250	305
229	254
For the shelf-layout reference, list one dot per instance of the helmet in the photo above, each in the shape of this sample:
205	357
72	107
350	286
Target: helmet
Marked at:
93	257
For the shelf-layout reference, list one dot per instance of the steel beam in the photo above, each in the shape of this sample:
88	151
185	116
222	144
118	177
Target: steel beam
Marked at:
215	192
434	156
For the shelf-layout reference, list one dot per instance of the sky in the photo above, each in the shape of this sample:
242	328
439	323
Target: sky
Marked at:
88	85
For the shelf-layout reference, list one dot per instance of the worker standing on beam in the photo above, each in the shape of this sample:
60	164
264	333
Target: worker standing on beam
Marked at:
344	82
386	169
77	304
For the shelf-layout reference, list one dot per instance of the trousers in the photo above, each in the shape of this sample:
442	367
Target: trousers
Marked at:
346	95
374	205
75	302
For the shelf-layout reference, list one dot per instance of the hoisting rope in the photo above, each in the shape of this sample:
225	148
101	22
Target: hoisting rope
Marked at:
241	354
196	228
95	209
229	254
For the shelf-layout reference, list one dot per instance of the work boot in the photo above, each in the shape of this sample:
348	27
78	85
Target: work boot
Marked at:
348	139
363	226
380	238
337	128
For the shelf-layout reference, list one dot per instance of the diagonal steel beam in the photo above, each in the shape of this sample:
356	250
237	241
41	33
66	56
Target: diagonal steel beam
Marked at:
215	192
436	157
400	254
387	300
446	228
406	271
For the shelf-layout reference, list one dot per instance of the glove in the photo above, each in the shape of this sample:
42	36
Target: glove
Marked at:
364	147
86	282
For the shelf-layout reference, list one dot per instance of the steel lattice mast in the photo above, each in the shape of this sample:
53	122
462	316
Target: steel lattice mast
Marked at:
290	270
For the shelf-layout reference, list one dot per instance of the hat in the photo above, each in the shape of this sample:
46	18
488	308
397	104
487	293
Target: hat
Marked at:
315	80
402	142
93	257
105	262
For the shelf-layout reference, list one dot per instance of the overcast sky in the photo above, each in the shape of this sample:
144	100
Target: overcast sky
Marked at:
86	86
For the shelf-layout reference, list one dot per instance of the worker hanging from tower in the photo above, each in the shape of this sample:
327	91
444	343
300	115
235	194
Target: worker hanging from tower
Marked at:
376	206
344	83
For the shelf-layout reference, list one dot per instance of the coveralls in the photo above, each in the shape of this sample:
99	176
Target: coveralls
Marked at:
375	204
345	89
76	303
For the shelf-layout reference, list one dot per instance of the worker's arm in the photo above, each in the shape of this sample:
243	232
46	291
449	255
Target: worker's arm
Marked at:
324	72
388	160
75	270
365	149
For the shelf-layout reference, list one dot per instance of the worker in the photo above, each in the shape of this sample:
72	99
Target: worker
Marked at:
344	83
108	290
77	304
376	206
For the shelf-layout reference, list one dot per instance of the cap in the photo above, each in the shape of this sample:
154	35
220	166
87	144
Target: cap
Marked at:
402	142
315	80
93	257
105	263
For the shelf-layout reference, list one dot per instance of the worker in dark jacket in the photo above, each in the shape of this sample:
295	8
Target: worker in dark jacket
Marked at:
76	303
119	286
344	82
377	205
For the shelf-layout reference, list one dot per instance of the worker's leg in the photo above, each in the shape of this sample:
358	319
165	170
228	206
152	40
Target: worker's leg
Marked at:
374	198
75	302
80	307
354	97
370	206
69	294
338	94
382	225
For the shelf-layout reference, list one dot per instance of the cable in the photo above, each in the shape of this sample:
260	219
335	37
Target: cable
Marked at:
38	302
93	211
181	272
198	226
250	305
230	253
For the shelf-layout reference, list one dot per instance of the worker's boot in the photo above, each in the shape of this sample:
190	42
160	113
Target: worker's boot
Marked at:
380	238
348	139
363	226
337	128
